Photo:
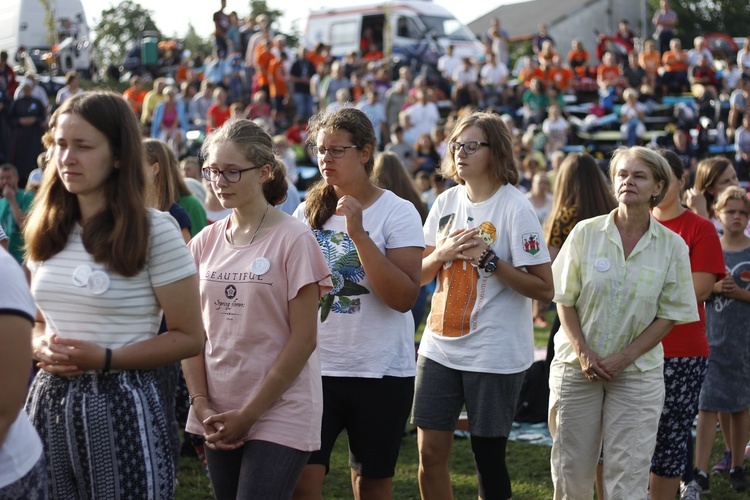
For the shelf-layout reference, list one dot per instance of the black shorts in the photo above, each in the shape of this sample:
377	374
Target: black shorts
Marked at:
374	412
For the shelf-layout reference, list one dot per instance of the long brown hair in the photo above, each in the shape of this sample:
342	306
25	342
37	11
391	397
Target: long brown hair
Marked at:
321	199
389	173
706	175
502	164
258	148
163	192
118	235
580	183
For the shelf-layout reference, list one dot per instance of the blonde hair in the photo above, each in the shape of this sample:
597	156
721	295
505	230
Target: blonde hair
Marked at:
731	193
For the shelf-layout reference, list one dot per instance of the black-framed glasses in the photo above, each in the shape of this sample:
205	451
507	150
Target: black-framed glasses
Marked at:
470	147
335	151
230	175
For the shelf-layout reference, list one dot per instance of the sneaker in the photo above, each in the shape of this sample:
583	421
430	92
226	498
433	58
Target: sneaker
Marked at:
724	465
690	491
700	478
737	476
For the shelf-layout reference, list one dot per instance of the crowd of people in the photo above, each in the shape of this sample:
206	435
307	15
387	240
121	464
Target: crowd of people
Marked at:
168	288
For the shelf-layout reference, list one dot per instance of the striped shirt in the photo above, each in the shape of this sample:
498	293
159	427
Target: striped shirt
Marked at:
80	299
617	298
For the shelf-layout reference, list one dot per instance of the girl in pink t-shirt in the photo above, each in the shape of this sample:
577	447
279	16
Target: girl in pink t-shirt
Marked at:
255	390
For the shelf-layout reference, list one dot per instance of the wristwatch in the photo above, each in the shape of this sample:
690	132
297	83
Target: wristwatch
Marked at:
491	264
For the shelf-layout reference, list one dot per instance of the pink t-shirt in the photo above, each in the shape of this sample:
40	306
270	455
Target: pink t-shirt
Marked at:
245	294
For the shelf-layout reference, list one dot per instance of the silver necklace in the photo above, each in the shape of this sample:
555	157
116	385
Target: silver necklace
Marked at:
231	237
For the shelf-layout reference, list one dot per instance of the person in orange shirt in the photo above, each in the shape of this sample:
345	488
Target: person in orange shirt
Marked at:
561	77
650	61
263	58
675	78
530	72
278	76
578	58
135	94
609	79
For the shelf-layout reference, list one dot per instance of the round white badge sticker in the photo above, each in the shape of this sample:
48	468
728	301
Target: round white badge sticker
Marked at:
98	282
602	264
260	266
81	275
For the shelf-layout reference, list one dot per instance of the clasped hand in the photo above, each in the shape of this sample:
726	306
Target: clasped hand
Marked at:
67	357
225	431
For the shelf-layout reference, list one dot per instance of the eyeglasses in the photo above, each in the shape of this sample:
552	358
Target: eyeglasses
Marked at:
335	151
230	175
470	147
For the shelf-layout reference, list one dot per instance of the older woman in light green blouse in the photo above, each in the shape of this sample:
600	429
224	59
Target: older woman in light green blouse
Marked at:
622	280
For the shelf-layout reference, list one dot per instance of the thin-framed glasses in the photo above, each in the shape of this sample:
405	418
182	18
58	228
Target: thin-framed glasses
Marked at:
230	175
470	147
334	151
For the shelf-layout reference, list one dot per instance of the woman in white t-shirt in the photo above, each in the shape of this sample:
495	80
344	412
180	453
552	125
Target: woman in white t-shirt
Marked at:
372	241
485	247
255	390
104	268
22	471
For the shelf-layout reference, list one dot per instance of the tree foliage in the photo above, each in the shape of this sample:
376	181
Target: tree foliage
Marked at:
118	27
697	17
258	7
195	43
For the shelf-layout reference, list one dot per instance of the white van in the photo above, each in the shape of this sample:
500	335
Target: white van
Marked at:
398	27
23	26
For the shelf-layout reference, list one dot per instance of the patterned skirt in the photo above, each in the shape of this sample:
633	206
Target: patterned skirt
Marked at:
104	436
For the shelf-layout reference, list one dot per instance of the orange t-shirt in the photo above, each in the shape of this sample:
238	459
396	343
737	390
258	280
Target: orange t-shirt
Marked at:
649	62
316	59
278	78
561	77
527	74
578	57
675	61
135	99
263	60
608	73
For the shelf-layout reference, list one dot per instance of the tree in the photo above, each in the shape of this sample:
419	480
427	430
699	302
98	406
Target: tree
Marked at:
195	43
117	27
697	17
258	7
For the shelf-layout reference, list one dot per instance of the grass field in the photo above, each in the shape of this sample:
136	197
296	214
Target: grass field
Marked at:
528	465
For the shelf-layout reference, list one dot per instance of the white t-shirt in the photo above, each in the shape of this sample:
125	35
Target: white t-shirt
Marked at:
81	299
245	294
556	130
542	212
423	119
477	323
358	335
464	76
494	75
22	446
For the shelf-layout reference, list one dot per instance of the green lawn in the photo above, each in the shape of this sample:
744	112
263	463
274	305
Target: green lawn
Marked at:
528	465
